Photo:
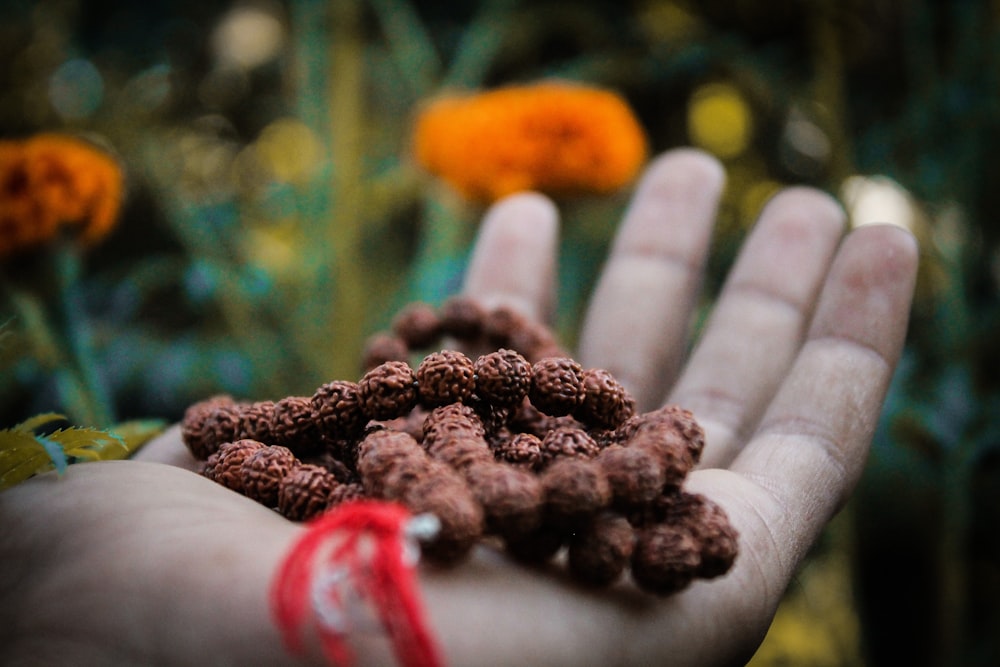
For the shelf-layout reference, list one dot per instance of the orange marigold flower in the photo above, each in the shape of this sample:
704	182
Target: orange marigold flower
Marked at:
49	181
554	137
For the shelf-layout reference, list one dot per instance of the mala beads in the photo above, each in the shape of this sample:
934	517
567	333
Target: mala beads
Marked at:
530	449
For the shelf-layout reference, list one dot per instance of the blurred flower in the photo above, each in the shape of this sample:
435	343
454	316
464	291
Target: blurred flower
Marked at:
554	137
51	180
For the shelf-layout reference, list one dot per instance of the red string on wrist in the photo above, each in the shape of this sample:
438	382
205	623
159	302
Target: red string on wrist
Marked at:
361	552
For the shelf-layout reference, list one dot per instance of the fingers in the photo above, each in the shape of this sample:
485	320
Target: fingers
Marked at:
812	442
637	323
513	262
760	319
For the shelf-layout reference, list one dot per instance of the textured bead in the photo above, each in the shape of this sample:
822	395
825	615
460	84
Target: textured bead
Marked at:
523	450
708	524
293	425
208	424
418	325
666	558
601	550
500	324
671	418
388	391
460	450
528	419
227	468
575	489
343	493
337	407
443	493
512	499
606	404
447	419
445	377
535	341
382	347
383	451
670	450
462	317
255	421
556	385
305	492
263	471
567	442
503	378
636	475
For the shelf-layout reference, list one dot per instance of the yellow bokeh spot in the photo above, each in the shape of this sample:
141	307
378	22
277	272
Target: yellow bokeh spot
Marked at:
720	120
289	150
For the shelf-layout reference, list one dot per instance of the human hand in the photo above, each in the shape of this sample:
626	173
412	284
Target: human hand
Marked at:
788	380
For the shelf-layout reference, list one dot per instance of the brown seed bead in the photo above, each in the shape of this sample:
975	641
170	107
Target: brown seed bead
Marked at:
666	558
512	499
256	420
305	492
340	470
418	325
556	386
344	493
445	377
606	404
522	449
228	466
383	453
636	475
527	419
601	550
670	417
535	341
460	450
293	425
575	489
337	408
443	493
503	378
667	446
388	391
382	347
446	419
707	522
462	317
567	442
263	471
500	324
200	429
209	468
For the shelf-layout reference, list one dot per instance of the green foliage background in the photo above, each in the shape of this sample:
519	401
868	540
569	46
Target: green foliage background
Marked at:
274	219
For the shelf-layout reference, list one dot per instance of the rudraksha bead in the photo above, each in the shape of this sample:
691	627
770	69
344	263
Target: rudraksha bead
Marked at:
447	419
255	421
305	492
636	475
526	418
263	471
383	452
556	386
444	494
418	325
523	450
208	424
293	425
462	317
388	391
460	450
343	493
669	448
606	404
511	498
503	378
337	407
707	523
535	341
575	489
567	442
601	550
500	324
382	347
445	377
227	463
666	558
670	417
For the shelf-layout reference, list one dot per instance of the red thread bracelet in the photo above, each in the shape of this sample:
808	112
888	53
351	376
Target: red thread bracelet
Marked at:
361	551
